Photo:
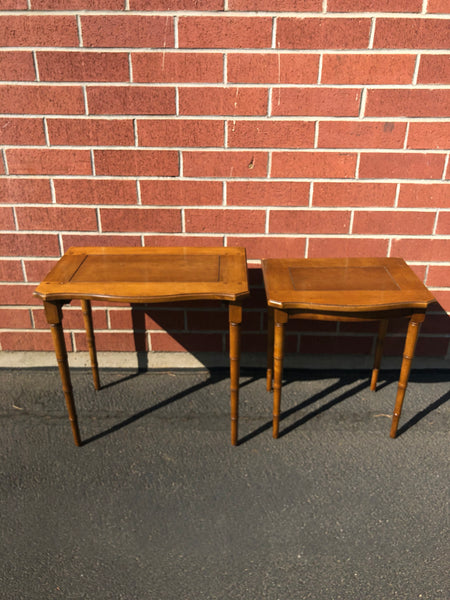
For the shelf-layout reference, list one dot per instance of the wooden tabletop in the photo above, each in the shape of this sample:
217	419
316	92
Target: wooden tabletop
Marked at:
343	284
147	274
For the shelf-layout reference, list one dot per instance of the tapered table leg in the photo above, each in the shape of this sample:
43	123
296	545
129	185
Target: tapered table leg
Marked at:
270	325
235	319
280	318
87	317
378	353
408	354
54	317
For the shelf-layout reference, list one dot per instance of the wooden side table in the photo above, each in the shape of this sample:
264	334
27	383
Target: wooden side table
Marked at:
144	275
342	289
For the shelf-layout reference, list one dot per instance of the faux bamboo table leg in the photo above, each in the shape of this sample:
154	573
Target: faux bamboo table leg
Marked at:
53	313
280	318
235	319
270	326
408	355
87	317
378	353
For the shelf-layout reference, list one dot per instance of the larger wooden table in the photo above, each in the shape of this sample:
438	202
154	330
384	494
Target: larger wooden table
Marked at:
143	275
342	289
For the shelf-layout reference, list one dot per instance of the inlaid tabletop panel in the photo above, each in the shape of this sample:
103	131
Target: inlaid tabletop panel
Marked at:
343	284
147	274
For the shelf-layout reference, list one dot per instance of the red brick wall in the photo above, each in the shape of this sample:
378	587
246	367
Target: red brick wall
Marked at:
292	127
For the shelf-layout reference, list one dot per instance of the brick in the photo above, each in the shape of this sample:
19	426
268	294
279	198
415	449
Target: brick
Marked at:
270	134
181	193
17	132
354	194
77	4
393	223
387	165
140	220
436	323
279	6
332	344
179	133
15	318
162	241
443	224
17	66
29	340
408	103
426	346
148	318
42	30
56	219
319	33
414	195
223	101
271	193
191	342
21	191
207	320
19	244
72	319
316	101
109	341
6	218
136	162
225	164
272	68
425	136
418	250
11	270
167	67
49	162
443	297
104	100
411	33
414	6
368	68
13	294
225	32
127	31
345	247
438	6
36	270
83	66
95	191
71	239
227	221
357	134
438	276
313	164
309	221
176	5
13	4
90	132
41	99
434	68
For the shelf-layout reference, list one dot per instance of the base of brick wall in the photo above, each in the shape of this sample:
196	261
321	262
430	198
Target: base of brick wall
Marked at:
185	360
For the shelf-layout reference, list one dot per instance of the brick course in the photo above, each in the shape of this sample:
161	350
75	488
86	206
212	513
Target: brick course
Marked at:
292	128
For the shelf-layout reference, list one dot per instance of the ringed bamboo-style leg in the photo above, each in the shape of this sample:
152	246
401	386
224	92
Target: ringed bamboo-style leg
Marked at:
87	317
235	319
408	354
280	318
53	313
270	325
378	353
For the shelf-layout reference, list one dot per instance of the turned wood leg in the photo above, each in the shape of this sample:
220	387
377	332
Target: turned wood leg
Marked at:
87	317
408	354
270	325
280	318
378	353
235	319
53	313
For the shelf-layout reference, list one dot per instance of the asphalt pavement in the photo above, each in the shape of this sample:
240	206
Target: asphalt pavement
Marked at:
158	505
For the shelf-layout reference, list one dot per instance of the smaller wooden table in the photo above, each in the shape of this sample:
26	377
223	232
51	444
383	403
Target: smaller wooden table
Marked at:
342	289
144	275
